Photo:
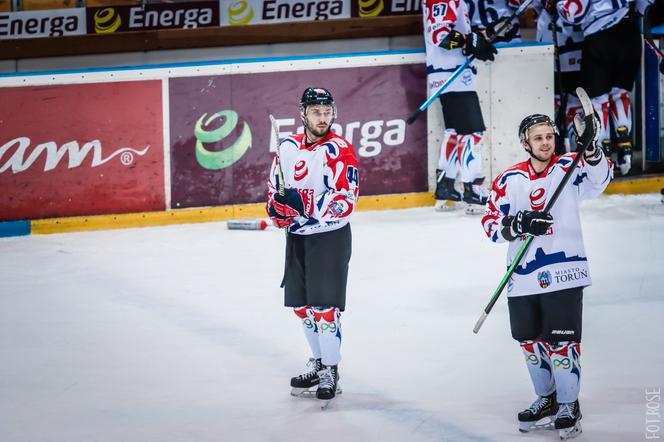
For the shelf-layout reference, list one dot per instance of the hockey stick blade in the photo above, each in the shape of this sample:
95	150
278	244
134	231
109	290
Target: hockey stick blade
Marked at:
280	173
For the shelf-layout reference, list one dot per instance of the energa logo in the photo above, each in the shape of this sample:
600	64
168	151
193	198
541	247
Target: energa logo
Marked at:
239	13
370	8
107	21
217	160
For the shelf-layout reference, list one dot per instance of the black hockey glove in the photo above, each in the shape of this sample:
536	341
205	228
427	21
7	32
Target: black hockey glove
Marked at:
479	46
588	136
453	40
526	222
504	29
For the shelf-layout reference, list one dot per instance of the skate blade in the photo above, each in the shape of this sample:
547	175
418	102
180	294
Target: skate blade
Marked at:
303	392
474	209
570	433
446	206
542	424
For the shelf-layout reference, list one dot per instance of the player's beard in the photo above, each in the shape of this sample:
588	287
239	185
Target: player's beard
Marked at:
316	132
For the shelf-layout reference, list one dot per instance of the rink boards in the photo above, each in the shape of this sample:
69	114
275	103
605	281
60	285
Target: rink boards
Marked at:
125	147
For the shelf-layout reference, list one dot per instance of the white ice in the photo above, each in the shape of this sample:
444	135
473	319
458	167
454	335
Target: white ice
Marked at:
178	333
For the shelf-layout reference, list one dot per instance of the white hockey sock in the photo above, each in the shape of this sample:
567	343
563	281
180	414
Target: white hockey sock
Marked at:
448	161
539	366
601	106
329	333
566	370
470	155
310	328
621	113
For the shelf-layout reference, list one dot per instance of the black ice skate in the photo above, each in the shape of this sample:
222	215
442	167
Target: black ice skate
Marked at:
568	420
446	195
540	415
301	385
476	196
329	386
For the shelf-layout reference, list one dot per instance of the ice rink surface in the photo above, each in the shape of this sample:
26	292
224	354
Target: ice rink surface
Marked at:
178	333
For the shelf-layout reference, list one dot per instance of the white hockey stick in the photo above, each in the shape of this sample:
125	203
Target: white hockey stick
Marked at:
280	173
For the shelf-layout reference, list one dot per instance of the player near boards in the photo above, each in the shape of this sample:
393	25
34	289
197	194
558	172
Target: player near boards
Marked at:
314	204
545	293
611	57
449	39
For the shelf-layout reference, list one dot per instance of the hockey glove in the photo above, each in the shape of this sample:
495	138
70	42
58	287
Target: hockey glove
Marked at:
278	220
479	46
526	222
587	136
504	29
295	202
453	40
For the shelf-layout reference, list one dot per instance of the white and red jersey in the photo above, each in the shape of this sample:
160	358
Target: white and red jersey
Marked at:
557	260
329	169
439	18
484	13
593	15
570	40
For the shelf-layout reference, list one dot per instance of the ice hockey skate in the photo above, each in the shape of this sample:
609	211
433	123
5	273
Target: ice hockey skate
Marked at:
447	197
475	196
624	150
540	415
568	420
303	385
329	386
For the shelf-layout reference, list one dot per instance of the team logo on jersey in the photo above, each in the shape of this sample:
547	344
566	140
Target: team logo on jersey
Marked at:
573	11
544	278
301	170
537	199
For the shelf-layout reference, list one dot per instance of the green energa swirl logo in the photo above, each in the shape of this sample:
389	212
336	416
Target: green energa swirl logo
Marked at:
216	160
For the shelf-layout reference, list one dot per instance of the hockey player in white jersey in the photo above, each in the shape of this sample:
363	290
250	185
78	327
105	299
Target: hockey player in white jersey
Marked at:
448	40
487	15
546	290
611	59
314	204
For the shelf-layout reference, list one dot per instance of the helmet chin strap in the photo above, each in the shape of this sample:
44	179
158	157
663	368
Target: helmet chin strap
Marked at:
530	152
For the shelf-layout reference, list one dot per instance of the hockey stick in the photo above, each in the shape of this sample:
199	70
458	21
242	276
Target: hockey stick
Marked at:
647	34
589	115
280	173
469	60
560	115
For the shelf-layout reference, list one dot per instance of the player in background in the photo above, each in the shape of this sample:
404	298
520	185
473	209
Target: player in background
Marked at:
611	59
569	39
545	293
449	40
487	15
320	189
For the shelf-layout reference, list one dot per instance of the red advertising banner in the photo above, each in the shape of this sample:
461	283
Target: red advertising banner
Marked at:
221	135
81	149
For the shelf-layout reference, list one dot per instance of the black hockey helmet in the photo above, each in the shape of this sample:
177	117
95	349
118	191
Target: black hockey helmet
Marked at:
316	95
533	120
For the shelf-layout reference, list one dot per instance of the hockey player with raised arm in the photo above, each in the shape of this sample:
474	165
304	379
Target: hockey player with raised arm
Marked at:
314	204
545	292
449	39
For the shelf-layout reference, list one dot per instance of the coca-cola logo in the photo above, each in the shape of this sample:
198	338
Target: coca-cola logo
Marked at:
301	170
22	159
537	199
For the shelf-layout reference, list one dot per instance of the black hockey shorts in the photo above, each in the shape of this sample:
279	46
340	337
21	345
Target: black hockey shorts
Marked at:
551	317
611	58
462	112
316	268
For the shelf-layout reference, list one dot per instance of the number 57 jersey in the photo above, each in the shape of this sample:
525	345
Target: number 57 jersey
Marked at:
328	168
